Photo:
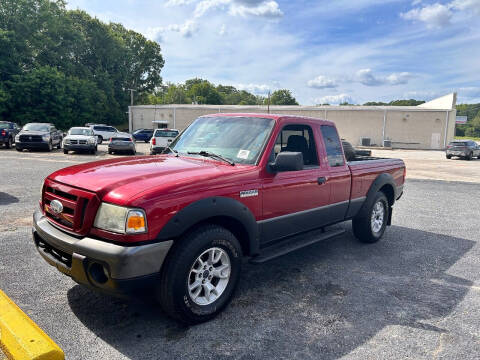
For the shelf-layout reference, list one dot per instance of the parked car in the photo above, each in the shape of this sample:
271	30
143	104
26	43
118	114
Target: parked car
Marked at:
103	132
80	139
122	143
161	139
179	224
8	131
465	149
143	135
38	136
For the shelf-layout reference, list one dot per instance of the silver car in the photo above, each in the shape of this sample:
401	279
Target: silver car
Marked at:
122	143
80	139
465	149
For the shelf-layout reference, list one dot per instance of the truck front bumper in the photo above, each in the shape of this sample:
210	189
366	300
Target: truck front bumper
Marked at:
104	266
32	145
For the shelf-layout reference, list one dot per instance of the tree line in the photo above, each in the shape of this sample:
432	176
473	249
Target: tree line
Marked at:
201	91
68	68
472	127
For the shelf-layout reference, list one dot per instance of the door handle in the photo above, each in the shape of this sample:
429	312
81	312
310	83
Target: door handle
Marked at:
321	180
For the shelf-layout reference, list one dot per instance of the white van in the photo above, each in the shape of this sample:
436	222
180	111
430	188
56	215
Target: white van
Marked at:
161	139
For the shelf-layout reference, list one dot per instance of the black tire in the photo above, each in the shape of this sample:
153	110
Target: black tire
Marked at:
9	143
65	151
93	151
134	152
59	146
449	156
362	223
50	146
172	290
110	152
99	139
469	156
18	149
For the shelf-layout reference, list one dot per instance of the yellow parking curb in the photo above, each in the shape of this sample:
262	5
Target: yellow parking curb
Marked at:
21	338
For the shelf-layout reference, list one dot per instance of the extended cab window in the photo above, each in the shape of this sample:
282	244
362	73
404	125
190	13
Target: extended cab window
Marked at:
297	138
333	146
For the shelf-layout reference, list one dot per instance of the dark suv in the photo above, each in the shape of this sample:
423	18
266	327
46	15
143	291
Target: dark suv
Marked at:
465	149
38	136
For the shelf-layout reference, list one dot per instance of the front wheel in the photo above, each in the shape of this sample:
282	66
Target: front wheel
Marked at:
50	146
370	223
200	274
469	156
59	146
449	156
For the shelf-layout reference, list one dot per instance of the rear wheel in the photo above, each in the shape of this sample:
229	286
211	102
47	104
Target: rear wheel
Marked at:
9	143
65	151
110	152
99	139
200	274
370	223
449	156
469	156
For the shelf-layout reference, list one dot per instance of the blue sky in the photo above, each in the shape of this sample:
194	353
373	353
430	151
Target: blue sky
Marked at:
324	50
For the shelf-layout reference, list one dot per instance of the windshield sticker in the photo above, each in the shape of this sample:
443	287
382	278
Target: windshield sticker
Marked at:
243	154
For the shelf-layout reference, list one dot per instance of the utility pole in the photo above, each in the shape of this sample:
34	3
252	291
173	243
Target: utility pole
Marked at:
268	103
130	117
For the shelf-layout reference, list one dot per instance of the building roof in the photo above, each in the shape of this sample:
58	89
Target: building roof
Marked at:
444	103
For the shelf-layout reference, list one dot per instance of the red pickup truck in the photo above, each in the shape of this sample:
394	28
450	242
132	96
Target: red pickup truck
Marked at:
229	186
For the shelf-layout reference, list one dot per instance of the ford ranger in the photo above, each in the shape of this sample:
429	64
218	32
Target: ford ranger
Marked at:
230	186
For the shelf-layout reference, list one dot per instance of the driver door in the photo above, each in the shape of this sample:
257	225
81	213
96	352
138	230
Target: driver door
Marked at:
295	201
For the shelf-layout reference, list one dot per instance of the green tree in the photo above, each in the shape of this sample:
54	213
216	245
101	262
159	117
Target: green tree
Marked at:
283	97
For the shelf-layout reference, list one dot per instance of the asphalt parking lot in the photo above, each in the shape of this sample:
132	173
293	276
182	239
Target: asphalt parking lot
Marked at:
415	294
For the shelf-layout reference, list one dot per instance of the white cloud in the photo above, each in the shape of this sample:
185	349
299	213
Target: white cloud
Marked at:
258	89
322	82
434	16
466	5
187	29
368	78
268	9
178	2
335	99
260	8
205	5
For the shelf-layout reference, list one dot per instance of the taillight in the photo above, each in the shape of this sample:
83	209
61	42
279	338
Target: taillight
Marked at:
449	146
4	133
154	141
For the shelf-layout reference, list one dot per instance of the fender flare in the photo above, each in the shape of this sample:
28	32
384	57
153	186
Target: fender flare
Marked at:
378	183
208	208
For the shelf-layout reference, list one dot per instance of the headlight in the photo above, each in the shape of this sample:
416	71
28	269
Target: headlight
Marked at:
66	141
46	137
91	140
17	138
121	220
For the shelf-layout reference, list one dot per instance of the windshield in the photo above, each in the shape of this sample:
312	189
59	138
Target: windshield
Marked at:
166	133
458	143
36	127
85	132
239	139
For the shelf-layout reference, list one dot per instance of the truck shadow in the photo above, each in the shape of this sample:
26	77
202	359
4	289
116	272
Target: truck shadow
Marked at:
324	301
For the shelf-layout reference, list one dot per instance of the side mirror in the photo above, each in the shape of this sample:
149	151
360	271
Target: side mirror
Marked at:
287	161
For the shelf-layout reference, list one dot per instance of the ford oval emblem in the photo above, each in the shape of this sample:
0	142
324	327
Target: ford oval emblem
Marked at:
56	206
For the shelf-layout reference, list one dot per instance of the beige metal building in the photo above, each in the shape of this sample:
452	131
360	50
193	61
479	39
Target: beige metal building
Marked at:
428	126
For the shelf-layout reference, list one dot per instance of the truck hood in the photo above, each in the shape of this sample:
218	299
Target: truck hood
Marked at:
120	180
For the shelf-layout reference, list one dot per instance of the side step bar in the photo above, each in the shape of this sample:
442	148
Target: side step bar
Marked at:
294	243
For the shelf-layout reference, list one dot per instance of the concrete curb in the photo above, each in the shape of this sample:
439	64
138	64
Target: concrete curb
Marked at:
21	338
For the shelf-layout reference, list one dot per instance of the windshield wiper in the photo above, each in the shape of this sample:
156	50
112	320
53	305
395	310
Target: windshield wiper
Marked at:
211	155
172	150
